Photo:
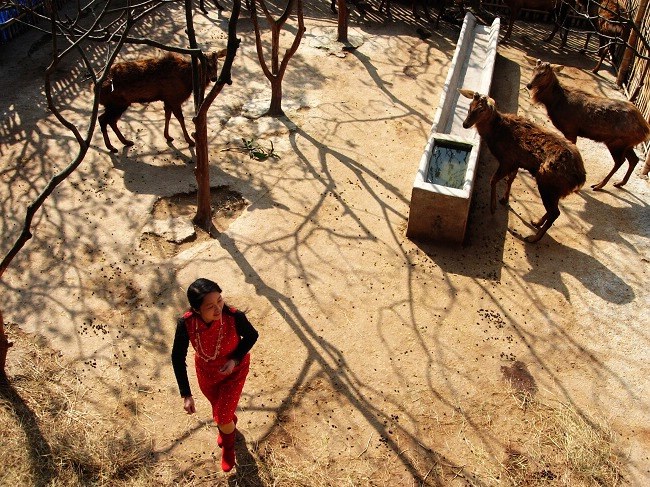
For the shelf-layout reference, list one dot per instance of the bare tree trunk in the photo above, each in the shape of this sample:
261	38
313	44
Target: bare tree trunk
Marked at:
203	217
275	110
344	15
4	347
276	73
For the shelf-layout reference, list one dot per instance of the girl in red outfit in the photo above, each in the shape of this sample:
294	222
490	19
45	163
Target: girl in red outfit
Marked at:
221	337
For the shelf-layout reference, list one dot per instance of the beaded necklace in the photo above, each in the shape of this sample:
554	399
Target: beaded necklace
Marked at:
217	348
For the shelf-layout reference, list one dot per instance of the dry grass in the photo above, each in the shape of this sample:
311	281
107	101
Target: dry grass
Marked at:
544	441
48	435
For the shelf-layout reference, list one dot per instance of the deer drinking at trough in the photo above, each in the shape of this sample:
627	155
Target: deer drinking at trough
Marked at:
616	123
517	143
167	78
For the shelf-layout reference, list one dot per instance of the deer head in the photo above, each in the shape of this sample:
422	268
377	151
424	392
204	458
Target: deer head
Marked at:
481	108
213	64
543	74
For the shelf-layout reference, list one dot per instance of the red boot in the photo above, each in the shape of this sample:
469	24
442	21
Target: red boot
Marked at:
228	454
219	438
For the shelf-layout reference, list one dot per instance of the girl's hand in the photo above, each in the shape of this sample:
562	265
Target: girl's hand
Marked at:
228	367
188	405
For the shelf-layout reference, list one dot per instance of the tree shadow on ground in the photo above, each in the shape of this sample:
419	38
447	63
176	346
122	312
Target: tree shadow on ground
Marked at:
40	453
323	354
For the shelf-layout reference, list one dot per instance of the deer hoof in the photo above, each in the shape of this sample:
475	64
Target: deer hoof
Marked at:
169	138
128	143
531	238
620	184
597	187
112	149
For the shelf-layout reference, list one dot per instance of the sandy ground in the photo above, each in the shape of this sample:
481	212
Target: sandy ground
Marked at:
378	357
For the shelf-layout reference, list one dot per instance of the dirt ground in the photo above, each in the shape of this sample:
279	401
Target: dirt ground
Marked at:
381	361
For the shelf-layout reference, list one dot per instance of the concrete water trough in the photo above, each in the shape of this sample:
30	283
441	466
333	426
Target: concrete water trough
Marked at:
442	191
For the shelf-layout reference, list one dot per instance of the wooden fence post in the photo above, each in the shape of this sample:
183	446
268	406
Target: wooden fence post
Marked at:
628	56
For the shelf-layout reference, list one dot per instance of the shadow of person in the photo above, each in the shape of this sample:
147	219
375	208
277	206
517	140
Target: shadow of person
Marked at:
247	472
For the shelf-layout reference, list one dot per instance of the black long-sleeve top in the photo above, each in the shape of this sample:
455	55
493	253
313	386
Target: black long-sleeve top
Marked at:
247	334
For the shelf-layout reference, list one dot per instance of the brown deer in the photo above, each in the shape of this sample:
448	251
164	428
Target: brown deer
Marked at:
616	123
167	78
517	143
610	19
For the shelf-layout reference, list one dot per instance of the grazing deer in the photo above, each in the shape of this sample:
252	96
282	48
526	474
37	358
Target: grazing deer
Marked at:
167	79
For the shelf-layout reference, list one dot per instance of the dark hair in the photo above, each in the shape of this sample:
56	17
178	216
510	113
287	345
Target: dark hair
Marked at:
199	289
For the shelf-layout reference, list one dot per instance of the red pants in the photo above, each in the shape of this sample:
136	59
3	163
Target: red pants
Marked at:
223	391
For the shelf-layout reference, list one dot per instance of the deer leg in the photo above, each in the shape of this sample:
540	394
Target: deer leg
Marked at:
540	222
168	116
556	27
219	6
360	6
110	117
602	52
498	176
550	198
632	160
584	49
510	178
178	113
565	38
333	6
425	6
123	139
441	11
514	13
560	18
619	156
389	14
103	123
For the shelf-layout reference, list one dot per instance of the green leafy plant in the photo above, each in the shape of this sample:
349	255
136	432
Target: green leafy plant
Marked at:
256	151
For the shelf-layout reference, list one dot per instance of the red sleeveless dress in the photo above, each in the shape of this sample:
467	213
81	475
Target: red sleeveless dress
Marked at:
213	346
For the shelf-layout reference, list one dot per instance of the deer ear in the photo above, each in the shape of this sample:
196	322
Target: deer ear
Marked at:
557	67
532	61
467	93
